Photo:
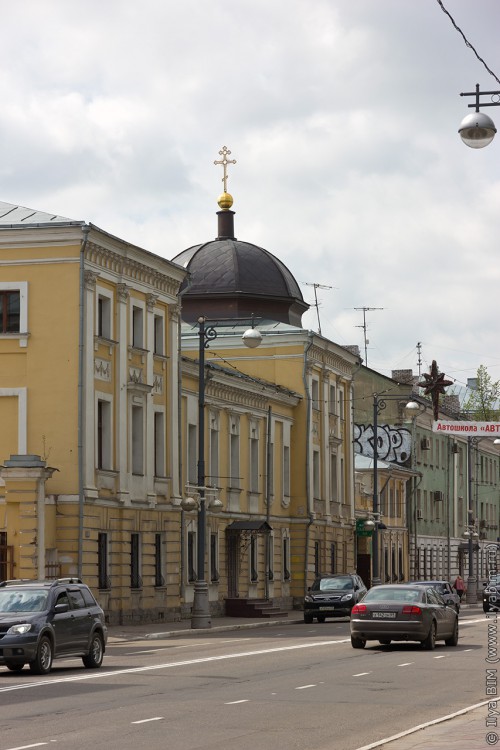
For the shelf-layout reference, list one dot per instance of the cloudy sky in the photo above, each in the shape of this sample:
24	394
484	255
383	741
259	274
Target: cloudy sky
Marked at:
342	116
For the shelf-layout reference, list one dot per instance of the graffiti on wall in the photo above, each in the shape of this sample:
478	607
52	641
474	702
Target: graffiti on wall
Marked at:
394	443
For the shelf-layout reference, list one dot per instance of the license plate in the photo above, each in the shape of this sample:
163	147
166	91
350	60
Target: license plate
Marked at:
384	615
324	609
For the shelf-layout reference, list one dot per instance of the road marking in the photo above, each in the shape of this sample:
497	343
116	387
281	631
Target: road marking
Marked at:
439	657
97	675
147	651
25	747
406	664
304	687
233	703
361	674
144	721
467	649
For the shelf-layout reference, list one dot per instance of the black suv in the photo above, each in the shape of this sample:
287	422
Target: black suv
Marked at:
333	595
45	620
491	595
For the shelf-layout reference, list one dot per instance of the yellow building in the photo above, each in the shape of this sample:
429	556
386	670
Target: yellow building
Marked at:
89	401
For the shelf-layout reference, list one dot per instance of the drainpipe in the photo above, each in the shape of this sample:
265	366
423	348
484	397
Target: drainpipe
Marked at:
308	442
81	366
268	501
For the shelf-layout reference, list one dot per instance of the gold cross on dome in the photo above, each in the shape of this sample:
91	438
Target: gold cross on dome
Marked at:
225	152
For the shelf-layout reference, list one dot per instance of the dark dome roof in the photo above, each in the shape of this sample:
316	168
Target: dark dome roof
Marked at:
232	278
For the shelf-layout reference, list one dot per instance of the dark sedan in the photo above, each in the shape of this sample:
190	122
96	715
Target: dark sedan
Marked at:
333	595
403	613
445	589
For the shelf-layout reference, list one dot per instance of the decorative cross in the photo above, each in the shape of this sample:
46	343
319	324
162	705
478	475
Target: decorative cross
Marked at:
224	152
434	384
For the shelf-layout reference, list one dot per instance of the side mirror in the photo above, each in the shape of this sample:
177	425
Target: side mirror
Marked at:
60	608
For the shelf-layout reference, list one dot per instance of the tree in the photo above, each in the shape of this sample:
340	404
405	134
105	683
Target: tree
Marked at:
483	403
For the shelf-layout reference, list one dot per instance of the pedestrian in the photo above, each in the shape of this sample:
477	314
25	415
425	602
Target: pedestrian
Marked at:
459	586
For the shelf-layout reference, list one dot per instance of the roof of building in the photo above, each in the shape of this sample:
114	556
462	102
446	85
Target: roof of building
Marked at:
12	215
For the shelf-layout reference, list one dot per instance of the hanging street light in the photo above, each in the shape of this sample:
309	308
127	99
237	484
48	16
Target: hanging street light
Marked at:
478	130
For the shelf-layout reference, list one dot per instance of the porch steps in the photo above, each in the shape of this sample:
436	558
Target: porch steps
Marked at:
253	608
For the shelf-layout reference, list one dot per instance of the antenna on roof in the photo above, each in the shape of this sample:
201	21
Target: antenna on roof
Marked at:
365	310
316	303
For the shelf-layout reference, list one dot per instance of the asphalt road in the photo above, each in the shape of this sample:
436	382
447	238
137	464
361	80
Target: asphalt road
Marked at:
289	686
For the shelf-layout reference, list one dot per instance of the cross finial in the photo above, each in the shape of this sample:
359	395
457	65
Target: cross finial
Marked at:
225	152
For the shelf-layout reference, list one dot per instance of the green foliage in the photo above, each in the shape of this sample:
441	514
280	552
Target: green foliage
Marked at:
483	403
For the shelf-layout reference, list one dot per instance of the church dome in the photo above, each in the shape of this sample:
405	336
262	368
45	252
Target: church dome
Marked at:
230	278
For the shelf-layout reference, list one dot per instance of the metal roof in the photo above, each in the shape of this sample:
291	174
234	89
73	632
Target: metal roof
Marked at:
12	215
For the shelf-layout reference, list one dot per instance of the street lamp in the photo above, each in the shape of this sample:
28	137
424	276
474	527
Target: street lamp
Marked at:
200	613
379	404
478	130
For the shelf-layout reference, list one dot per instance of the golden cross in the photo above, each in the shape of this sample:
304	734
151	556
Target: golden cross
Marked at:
224	152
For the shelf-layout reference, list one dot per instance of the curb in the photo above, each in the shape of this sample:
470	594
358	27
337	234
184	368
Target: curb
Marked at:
183	632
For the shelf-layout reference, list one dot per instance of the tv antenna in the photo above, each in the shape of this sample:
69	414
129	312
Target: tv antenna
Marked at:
365	310
316	303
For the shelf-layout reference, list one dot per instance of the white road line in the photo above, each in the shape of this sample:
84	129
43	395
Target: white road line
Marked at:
468	649
145	721
97	675
304	687
406	664
233	703
148	651
25	747
440	657
361	674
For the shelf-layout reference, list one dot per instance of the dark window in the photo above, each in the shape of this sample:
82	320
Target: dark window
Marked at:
89	599
159	579
214	573
332	558
102	561
286	555
190	556
76	599
135	578
10	306
316	558
253	559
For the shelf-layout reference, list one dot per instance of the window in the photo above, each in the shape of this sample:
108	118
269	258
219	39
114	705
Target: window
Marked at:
135	577
10	311
333	560
137	440
159	557
315	394
316	559
104	316
214	557
254	576
103	581
270	469
104	435
341	404
137	327
270	556
316	476
214	450
159	336
254	464
286	558
192	464
191	547
159	446
286	471
332	400
234	458
76	599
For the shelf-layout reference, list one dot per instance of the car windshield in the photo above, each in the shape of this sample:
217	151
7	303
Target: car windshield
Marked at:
15	600
342	583
395	594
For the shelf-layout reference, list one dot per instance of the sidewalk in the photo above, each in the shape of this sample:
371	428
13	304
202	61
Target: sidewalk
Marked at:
465	730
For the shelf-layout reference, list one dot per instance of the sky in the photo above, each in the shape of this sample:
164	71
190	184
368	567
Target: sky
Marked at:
342	116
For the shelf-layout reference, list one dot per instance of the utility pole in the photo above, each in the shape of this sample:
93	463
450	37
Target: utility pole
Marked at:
419	361
365	310
316	304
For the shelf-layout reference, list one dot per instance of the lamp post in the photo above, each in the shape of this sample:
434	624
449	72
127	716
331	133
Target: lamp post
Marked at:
379	404
200	613
478	130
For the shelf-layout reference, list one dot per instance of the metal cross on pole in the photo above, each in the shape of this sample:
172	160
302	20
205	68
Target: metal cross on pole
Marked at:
225	152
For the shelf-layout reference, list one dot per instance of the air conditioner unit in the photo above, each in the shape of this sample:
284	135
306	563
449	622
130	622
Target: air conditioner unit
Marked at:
438	495
425	444
420	515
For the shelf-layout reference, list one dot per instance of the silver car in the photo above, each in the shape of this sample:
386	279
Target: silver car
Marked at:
403	613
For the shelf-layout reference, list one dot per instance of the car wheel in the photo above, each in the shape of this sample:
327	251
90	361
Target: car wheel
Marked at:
94	658
385	642
42	662
308	617
15	667
453	640
321	618
430	642
357	642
